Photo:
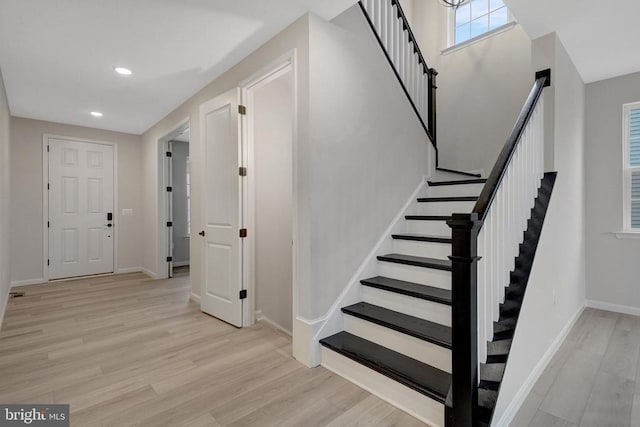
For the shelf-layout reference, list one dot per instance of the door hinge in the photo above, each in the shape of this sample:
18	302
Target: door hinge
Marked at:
243	171
243	294
242	110
48	262
47	148
169	154
169	189
48	224
169	224
48	186
169	259
243	232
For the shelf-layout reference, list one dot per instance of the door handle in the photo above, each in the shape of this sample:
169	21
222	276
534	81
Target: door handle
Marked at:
202	233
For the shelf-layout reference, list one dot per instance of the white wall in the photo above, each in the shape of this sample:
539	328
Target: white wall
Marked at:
481	88
295	37
26	187
556	290
612	264
5	169
181	238
273	138
368	152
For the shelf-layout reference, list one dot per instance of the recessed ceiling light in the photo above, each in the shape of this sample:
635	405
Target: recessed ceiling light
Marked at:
96	114
123	71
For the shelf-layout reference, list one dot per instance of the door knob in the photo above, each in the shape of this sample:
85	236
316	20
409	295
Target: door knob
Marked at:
201	233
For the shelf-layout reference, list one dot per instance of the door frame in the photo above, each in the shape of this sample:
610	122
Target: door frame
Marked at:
45	198
163	179
281	66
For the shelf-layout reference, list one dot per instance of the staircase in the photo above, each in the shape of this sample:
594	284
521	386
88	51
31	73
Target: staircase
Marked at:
401	330
433	328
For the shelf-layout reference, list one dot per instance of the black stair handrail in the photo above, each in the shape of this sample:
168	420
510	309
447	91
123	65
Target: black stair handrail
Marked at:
490	189
431	126
461	407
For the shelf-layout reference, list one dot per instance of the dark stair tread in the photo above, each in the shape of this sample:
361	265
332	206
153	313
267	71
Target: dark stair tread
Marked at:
457	182
448	199
476	175
416	375
418	261
428	217
419	328
423	238
487	398
416	290
492	372
498	348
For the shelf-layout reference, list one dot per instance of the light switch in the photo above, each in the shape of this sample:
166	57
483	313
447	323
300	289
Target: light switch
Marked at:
127	212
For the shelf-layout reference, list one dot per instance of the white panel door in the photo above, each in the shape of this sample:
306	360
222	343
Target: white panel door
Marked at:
81	234
222	254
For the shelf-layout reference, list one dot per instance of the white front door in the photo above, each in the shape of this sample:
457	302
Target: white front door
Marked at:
81	226
222	253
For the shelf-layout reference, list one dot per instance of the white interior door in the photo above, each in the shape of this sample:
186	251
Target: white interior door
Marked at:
222	254
81	202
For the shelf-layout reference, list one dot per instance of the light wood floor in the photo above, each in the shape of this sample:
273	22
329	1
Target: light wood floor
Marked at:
594	378
125	350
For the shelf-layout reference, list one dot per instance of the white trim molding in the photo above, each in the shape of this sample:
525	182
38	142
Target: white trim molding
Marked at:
616	308
304	346
627	234
195	298
18	283
3	308
521	395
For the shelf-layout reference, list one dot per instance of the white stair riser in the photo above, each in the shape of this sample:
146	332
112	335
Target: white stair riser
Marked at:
430	228
416	307
455	190
415	348
424	249
444	208
420	406
410	273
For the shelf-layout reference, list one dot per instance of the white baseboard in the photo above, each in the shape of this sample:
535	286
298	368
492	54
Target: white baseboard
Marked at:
129	270
149	273
607	306
16	283
195	298
3	309
415	404
351	294
180	263
304	346
533	377
262	318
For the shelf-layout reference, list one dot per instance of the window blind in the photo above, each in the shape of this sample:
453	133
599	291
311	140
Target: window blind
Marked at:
634	162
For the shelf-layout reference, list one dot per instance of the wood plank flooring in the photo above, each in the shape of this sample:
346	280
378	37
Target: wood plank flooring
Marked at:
593	380
125	350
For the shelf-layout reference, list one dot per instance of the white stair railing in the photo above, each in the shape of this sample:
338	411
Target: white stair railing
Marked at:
505	223
394	34
485	245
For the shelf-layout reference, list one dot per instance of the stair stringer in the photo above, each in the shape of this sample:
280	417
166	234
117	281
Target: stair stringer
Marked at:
352	293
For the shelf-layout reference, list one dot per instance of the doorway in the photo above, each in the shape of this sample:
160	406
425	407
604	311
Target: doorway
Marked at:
270	132
248	136
80	216
176	209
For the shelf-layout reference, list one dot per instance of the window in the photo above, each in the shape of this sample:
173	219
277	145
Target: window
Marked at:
632	167
478	17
